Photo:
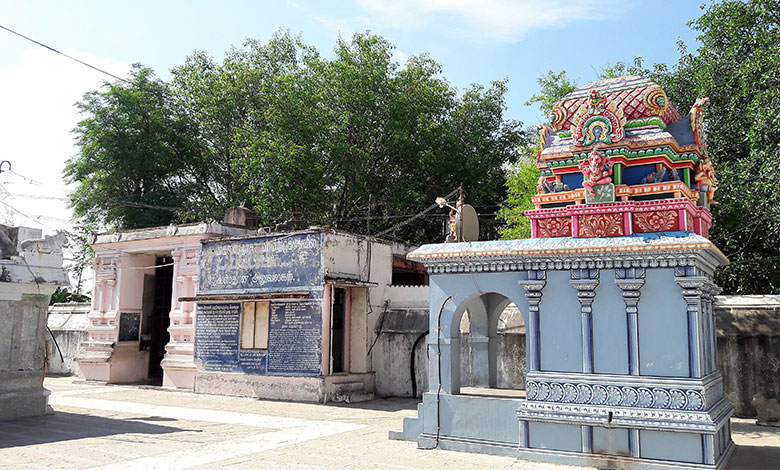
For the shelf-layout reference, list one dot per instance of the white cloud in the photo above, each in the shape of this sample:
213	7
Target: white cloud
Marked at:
504	21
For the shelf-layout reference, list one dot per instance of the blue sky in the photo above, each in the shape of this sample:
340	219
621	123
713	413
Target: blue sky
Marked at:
475	41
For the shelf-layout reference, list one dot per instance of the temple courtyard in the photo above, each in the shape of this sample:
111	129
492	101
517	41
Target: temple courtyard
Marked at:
126	427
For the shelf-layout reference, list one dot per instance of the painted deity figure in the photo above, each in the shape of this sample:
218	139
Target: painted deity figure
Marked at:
705	176
597	170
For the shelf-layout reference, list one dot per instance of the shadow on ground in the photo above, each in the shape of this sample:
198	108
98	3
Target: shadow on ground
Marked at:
63	426
754	454
382	404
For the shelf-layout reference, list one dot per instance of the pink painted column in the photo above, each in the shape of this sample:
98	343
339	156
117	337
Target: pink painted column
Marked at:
575	226
95	355
534	228
178	365
683	221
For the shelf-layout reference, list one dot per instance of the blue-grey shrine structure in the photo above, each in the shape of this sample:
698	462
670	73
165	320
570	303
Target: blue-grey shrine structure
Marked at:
616	291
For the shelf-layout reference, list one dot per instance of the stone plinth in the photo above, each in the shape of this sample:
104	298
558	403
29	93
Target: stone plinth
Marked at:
27	281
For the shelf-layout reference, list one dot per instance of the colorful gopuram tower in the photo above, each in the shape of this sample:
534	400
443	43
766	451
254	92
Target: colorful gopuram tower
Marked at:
618	159
615	288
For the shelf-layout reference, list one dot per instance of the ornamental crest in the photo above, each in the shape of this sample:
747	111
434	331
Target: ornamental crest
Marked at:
598	121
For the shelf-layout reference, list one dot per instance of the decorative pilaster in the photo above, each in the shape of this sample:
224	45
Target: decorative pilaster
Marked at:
630	282
178	366
533	292
633	442
587	439
709	292
103	330
692	290
586	281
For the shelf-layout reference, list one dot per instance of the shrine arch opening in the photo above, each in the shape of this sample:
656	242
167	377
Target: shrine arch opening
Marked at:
488	347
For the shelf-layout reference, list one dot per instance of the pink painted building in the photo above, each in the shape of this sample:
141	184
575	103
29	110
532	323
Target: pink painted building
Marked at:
139	331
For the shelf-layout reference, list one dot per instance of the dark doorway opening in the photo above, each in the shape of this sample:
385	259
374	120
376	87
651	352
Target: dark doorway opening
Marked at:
160	318
337	314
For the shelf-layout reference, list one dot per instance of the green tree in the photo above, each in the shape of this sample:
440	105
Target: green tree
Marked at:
315	140
552	88
521	186
81	254
738	68
134	157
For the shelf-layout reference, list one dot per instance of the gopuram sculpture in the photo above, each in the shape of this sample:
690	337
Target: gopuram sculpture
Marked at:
615	288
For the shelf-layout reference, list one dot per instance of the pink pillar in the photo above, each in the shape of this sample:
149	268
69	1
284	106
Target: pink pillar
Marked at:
575	226
534	228
683	221
178	365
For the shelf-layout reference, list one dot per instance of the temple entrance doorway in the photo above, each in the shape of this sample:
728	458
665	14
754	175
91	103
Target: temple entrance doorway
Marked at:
159	317
338	331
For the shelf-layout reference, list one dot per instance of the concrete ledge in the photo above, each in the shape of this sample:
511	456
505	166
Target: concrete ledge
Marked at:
616	462
270	387
461	444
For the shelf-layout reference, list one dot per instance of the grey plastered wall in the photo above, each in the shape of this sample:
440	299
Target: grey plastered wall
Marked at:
749	351
22	326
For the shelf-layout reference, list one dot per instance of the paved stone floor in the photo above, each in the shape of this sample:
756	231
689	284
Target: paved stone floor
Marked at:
115	427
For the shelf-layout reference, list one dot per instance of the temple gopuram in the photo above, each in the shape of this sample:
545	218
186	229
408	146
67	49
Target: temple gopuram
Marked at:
616	291
621	143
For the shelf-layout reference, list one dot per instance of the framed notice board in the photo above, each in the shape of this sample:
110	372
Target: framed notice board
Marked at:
129	326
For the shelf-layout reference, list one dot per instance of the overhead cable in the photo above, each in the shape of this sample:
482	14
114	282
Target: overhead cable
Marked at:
63	54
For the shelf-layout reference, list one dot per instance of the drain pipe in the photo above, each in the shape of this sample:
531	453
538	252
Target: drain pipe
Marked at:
411	364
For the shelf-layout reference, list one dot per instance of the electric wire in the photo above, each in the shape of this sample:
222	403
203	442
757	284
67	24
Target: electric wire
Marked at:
62	53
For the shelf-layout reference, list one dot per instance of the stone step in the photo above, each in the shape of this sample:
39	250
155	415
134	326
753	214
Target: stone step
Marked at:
343	387
353	396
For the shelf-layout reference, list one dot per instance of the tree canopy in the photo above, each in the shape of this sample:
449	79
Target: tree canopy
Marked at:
738	67
295	136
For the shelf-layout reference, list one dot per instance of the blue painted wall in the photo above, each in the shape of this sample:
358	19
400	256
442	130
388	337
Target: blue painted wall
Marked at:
634	174
663	326
610	441
555	436
677	446
560	325
574	180
610	334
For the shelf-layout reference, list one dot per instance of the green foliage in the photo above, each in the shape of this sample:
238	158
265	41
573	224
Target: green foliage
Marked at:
134	153
552	87
294	136
521	186
77	243
63	295
738	68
